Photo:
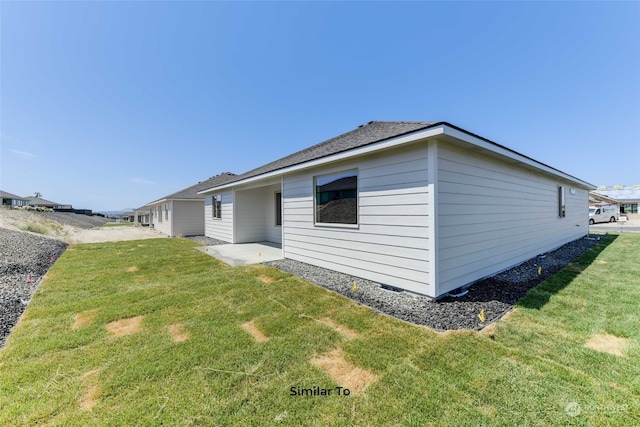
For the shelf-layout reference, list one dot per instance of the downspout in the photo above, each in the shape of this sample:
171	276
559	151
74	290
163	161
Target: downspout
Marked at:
432	173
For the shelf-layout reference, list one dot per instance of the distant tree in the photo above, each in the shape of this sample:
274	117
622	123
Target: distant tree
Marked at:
618	187
602	187
636	185
37	194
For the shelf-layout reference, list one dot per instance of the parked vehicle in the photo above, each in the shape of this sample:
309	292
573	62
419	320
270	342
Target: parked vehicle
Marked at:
603	213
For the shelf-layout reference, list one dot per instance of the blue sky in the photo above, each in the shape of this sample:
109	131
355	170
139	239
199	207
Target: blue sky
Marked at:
109	105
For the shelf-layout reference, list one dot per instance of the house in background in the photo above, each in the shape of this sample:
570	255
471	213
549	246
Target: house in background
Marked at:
628	198
11	200
142	215
427	207
39	202
182	213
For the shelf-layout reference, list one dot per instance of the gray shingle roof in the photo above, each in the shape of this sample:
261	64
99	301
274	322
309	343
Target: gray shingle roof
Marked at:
359	137
192	191
7	195
364	135
41	202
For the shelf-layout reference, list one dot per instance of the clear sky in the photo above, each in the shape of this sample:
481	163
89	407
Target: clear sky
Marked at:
111	105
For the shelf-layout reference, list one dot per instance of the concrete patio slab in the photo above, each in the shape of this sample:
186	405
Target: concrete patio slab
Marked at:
244	253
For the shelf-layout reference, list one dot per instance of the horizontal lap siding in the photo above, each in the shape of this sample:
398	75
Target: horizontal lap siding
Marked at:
390	244
163	226
221	229
493	215
188	218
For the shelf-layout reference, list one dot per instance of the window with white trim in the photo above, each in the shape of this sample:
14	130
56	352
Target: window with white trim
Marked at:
561	202
336	198
216	206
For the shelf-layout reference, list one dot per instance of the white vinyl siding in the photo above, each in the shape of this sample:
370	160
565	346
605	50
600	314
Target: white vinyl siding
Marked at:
389	244
493	215
188	218
163	216
221	229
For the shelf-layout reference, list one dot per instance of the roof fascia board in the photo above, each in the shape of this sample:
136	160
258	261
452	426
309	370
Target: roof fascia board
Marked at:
376	146
503	151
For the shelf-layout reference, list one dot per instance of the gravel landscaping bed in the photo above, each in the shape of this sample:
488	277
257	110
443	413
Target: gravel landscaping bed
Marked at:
75	220
495	295
24	260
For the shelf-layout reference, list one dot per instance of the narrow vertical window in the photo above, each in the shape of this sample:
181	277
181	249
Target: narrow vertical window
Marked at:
561	204
278	208
216	206
166	211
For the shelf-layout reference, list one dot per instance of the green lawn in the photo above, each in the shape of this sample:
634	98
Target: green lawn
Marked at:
189	361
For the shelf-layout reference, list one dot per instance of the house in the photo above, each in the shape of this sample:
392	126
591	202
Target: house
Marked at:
39	202
427	207
142	215
628	198
11	200
182	213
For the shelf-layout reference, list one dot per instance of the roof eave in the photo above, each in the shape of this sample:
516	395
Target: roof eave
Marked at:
428	132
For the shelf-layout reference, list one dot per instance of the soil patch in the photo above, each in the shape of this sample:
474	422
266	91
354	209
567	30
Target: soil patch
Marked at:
344	373
123	327
178	334
84	319
349	333
257	334
607	344
266	279
132	269
90	396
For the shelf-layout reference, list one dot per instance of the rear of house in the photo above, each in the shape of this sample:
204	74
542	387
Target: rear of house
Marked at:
182	213
422	206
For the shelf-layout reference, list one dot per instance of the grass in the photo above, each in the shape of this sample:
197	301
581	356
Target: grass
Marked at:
35	228
119	224
62	366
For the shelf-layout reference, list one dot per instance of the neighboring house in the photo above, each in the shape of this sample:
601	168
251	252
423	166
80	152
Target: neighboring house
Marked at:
142	215
40	202
423	206
182	213
627	197
11	200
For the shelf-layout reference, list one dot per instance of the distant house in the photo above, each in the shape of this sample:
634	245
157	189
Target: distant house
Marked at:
182	213
142	215
627	197
11	200
427	207
40	202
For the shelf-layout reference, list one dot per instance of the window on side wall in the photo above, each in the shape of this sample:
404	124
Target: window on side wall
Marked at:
561	203
278	208
166	212
336	198
216	206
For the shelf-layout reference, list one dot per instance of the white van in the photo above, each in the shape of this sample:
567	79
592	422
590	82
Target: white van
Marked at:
603	213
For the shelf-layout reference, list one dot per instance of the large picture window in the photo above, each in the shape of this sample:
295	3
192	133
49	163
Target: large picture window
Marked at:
336	198
216	206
